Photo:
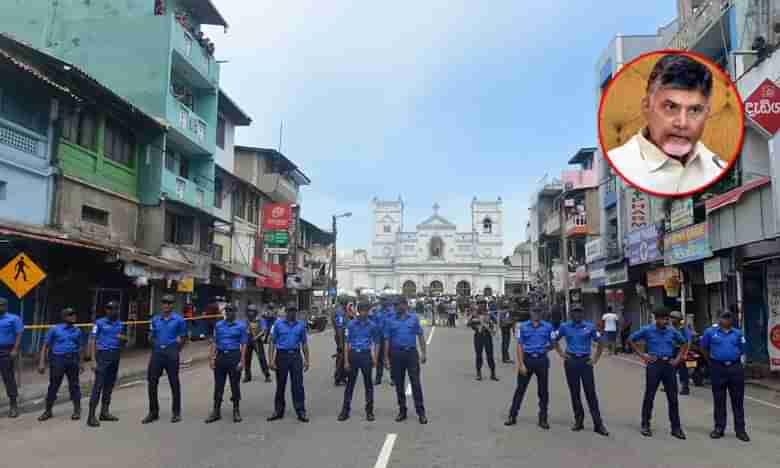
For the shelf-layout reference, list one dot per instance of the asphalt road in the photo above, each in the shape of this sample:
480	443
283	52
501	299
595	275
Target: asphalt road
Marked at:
465	429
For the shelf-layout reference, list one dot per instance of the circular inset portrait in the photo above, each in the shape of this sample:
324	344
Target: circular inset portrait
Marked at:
671	123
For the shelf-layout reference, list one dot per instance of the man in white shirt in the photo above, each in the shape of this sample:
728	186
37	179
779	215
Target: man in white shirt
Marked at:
667	155
610	320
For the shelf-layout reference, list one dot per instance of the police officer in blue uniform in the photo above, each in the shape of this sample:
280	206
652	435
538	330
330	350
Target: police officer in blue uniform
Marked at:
360	356
258	331
288	337
339	326
578	365
11	329
380	315
168	333
660	339
63	346
104	345
534	340
724	346
227	352
402	357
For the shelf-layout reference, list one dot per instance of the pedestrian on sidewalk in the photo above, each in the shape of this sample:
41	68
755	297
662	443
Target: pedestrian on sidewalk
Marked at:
660	339
724	346
288	338
484	327
611	320
168	333
104	345
360	356
534	340
578	365
258	330
62	345
11	330
402	357
227	353
682	369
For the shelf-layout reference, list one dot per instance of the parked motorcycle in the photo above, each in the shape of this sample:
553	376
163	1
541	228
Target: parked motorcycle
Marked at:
697	364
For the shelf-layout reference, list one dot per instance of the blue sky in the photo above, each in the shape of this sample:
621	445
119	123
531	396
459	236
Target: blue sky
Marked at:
433	100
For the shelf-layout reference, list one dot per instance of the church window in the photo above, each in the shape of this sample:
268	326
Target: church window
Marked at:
437	247
387	228
487	226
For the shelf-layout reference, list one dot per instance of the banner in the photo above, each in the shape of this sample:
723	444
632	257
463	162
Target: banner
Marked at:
687	245
713	270
617	275
681	213
186	285
276	216
773	324
657	278
639	206
643	245
763	106
594	250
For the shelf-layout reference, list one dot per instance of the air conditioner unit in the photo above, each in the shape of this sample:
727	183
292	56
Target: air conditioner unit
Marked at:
569	186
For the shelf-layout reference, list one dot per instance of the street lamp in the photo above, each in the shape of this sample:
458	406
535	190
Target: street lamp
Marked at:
333	282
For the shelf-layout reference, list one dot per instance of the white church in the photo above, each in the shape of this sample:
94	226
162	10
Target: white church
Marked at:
433	259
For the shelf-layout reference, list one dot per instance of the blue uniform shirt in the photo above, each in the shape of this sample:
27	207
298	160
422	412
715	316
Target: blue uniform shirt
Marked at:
106	333
723	346
361	334
63	339
402	332
289	336
380	317
230	336
10	327
660	343
165	331
535	339
579	336
340	320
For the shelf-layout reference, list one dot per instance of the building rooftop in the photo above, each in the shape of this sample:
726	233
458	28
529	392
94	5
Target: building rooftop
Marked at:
230	109
284	165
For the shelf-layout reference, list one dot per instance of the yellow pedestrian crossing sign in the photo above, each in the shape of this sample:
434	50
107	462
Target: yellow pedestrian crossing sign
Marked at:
21	275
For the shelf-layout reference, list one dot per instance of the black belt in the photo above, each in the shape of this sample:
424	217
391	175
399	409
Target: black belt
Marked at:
6	347
727	363
228	351
165	347
66	355
536	355
405	348
289	351
361	350
578	356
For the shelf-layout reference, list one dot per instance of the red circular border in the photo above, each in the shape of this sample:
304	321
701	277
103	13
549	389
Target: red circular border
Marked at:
731	84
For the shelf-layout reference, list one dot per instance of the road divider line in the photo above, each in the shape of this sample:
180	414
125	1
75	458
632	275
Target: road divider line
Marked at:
387	449
408	389
756	400
430	335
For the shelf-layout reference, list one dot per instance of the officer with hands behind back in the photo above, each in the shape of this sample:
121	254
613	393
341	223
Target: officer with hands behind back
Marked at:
288	337
62	345
360	355
105	343
227	352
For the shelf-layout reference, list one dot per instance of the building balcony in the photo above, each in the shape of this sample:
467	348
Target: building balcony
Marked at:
579	179
18	144
194	55
189	130
552	226
698	31
198	195
577	225
279	188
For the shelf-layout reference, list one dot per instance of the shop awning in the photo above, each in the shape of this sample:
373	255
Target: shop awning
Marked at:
157	263
236	269
733	196
49	235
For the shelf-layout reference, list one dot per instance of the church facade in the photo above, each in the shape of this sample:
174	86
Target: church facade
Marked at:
435	258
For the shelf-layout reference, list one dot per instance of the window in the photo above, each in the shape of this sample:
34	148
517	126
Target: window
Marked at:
437	247
387	228
24	107
170	161
218	192
221	132
80	128
252	214
119	144
94	215
487	226
218	252
184	168
3	189
179	229
240	202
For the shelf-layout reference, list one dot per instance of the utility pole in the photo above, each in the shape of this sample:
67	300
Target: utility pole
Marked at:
333	264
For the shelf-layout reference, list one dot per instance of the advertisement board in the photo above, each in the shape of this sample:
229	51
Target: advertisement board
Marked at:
681	214
763	106
276	216
643	245
639	208
687	245
773	324
594	250
713	270
276	238
617	275
657	278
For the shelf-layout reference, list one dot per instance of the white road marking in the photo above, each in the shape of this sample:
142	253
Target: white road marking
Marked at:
408	389
132	384
427	342
430	335
387	449
762	402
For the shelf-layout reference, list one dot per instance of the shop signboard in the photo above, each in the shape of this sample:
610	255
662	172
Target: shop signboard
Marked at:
276	238
594	250
617	275
773	324
639	206
557	277
713	270
657	278
643	245
275	279
276	216
681	213
763	106
598	274
687	245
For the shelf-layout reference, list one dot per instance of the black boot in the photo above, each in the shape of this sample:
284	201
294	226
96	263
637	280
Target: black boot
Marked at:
150	418
236	413
76	411
216	414
344	415
543	422
247	378
92	421
13	410
370	413
493	376
47	414
105	414
510	421
578	426
479	375
401	415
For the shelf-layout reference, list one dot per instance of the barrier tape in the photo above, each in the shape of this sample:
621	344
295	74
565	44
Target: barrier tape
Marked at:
134	322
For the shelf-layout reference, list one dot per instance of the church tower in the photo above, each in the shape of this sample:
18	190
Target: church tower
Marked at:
388	222
487	222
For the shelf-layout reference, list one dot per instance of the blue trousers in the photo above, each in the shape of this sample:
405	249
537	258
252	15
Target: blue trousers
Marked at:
579	374
105	377
540	367
61	365
164	360
289	364
655	373
402	362
7	371
359	362
226	366
728	379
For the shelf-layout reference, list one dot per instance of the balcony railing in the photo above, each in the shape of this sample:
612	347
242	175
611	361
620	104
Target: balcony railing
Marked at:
552	225
187	191
189	48
690	31
577	225
188	122
21	139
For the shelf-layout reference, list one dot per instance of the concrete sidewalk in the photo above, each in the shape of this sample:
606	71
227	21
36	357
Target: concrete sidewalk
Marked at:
33	386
